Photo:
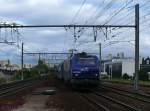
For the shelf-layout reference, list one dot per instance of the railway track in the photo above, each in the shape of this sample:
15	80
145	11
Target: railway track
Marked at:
122	100
94	102
124	105
137	93
106	103
12	88
134	95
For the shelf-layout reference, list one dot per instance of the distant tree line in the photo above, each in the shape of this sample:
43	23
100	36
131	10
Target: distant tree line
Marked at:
40	68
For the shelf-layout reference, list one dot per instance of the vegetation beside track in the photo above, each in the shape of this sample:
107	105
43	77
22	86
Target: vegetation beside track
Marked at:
39	69
2	80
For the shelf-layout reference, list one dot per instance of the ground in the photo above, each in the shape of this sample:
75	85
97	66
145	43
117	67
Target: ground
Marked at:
34	102
63	99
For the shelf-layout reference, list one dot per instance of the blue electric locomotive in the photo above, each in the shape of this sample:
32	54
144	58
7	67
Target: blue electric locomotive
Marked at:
80	69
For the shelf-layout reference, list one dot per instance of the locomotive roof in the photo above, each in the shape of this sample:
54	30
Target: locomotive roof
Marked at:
84	55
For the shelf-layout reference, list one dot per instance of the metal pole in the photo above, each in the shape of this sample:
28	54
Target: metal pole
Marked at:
136	46
100	58
100	52
32	53
22	62
110	70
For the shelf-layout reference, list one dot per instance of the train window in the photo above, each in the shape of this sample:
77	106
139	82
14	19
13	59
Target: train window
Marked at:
89	61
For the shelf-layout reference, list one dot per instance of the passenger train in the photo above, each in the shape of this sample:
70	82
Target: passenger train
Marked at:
80	69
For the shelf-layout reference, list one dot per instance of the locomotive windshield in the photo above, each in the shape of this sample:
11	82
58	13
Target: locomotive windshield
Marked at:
86	61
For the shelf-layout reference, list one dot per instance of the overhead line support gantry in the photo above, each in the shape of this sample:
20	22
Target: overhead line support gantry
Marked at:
136	27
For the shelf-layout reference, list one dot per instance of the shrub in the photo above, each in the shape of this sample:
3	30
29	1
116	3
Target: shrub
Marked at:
125	76
104	76
2	80
41	68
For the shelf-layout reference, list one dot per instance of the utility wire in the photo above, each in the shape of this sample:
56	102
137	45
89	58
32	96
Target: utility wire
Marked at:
78	11
117	12
141	6
102	11
107	7
101	4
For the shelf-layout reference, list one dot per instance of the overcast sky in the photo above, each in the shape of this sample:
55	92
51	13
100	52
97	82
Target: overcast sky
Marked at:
43	12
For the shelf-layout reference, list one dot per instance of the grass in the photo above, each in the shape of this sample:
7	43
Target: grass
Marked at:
123	81
2	80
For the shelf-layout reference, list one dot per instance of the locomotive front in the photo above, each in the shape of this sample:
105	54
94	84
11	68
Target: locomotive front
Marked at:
85	69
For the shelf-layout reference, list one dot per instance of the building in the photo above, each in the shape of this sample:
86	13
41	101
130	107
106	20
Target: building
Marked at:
4	63
145	64
117	66
28	66
15	67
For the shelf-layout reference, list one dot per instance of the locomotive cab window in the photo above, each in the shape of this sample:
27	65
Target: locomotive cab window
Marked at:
89	61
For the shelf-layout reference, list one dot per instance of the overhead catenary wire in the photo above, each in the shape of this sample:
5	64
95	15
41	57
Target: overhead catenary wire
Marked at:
143	20
101	4
77	13
118	11
123	20
132	20
99	14
103	10
82	32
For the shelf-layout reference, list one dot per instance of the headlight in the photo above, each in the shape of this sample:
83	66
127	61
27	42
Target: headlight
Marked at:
96	74
76	75
82	69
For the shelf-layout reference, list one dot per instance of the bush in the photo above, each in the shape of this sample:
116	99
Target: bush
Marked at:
143	75
104	76
26	74
17	76
2	80
34	72
41	68
125	76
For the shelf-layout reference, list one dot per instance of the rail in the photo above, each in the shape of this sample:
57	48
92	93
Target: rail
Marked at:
14	87
134	95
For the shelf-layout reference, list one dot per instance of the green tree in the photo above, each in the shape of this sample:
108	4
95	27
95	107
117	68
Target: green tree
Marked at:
2	80
33	72
125	76
40	68
143	61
